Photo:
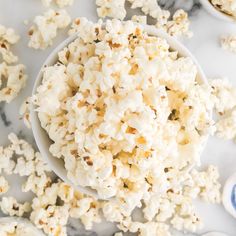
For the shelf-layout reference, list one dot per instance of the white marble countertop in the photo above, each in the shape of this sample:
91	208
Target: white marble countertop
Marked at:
204	45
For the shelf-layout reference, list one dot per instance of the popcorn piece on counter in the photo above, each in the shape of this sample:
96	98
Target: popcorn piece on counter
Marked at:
6	163
25	112
224	95
26	161
52	220
111	8
150	7
47	214
11	207
147	229
139	19
36	184
8	37
4	186
45	28
86	209
118	234
60	3
179	25
226	126
15	81
228	43
208	183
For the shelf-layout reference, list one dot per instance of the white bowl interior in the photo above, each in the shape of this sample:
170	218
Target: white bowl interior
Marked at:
26	222
215	12
41	137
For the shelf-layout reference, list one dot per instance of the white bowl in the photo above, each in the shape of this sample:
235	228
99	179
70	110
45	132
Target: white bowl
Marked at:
215	12
214	234
228	191
41	137
26	222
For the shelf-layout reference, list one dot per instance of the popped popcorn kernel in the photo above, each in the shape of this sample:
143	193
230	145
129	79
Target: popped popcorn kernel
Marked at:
14	77
4	186
111	8
8	37
228	43
45	28
25	112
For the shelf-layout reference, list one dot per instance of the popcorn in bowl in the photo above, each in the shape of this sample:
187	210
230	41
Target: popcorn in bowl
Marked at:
227	7
120	100
129	117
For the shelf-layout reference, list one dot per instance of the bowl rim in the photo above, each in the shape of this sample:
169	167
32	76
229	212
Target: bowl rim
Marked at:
216	13
9	219
40	134
226	195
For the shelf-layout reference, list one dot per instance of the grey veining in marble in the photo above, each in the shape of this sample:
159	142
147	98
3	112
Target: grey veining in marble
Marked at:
4	119
191	6
75	228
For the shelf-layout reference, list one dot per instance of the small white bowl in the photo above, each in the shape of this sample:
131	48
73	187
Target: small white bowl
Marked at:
215	12
23	221
229	198
41	137
214	234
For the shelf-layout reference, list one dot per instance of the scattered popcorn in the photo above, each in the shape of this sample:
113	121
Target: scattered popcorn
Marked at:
224	95
25	112
179	25
118	234
208	184
111	8
229	43
45	28
52	219
150	7
12	226
136	140
226	6
14	80
20	158
60	3
8	37
11	207
139	19
4	186
226	126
